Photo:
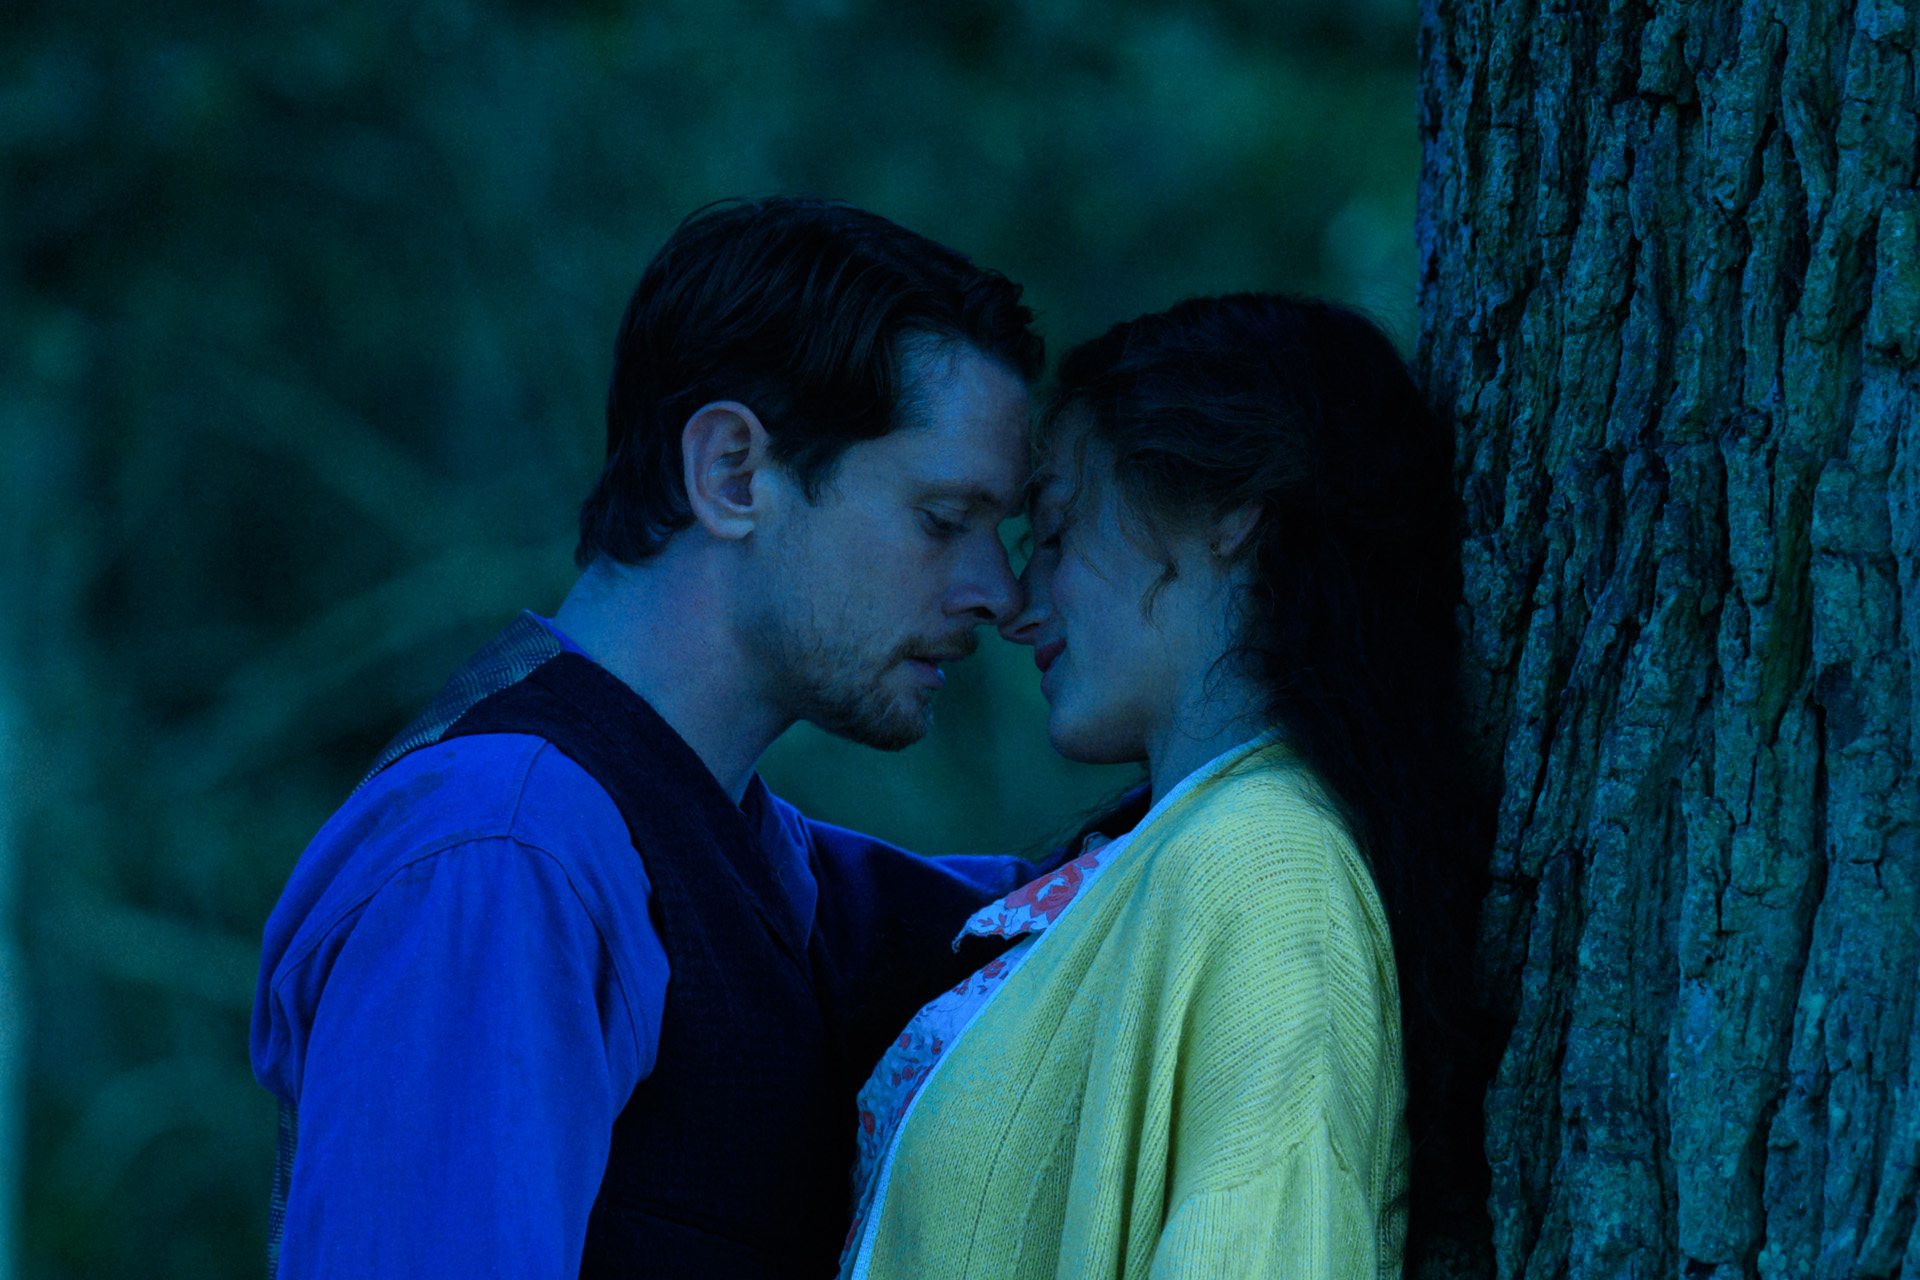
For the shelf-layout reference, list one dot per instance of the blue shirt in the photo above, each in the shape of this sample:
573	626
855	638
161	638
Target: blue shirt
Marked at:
461	985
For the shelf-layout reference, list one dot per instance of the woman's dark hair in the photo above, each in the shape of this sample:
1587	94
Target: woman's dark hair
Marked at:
800	309
1305	408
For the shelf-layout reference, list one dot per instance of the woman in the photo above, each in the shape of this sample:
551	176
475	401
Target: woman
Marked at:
1191	1061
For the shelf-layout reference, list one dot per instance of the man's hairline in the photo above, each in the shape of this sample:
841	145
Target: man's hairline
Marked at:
936	352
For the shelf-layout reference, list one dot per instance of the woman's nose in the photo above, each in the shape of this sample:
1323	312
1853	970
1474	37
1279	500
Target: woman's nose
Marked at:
1024	625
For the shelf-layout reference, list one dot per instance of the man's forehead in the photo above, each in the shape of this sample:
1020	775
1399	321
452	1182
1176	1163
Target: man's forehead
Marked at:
969	443
981	471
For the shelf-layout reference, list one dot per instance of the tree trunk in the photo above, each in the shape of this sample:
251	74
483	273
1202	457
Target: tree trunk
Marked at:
1671	296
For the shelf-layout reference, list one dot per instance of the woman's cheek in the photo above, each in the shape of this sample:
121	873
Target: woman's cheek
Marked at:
1064	586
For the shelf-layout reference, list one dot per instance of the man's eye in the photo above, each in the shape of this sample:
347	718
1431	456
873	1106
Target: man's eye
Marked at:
941	527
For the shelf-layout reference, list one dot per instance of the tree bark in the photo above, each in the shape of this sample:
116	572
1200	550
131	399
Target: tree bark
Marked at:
1671	296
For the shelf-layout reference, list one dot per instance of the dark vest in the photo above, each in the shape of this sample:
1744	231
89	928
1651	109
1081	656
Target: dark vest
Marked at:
733	1158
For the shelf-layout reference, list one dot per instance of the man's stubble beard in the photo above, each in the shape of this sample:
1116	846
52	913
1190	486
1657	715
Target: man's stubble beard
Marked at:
838	684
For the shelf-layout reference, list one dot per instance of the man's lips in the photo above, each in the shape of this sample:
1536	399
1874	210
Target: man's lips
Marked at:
927	666
930	675
1044	654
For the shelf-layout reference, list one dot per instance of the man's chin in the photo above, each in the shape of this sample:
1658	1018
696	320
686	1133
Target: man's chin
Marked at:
905	720
889	737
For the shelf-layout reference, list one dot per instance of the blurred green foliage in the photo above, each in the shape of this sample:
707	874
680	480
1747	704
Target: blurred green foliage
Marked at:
305	314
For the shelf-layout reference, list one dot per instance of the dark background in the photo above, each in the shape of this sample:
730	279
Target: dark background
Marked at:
306	311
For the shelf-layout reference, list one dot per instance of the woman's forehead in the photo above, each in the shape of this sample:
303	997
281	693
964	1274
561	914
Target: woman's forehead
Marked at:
1058	483
1069	460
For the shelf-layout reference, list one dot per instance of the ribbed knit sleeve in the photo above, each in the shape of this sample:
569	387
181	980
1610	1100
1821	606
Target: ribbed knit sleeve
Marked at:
1283	1141
1307	1215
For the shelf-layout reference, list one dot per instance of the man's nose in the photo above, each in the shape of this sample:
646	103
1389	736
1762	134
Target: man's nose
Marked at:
989	590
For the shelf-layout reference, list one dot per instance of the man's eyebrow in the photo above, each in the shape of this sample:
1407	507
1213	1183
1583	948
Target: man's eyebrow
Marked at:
973	495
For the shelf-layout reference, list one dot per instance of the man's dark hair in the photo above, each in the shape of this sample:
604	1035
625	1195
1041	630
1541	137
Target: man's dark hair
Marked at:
802	310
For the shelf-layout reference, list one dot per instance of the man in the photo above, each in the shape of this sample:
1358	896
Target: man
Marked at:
562	987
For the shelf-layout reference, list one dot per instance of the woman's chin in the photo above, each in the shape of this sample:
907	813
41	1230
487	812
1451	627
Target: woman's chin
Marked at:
1089	744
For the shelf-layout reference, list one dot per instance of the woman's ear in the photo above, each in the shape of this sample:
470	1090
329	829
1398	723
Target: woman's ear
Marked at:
1231	531
723	451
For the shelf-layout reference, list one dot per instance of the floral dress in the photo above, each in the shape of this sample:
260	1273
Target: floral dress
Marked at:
909	1061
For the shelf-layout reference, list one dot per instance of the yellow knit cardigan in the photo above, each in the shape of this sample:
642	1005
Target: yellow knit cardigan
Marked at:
1197	1073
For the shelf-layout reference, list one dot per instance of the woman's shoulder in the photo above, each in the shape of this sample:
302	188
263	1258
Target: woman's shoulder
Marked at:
1263	836
1269	800
1260	891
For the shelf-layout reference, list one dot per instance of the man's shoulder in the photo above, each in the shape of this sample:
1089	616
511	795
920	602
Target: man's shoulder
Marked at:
499	832
441	798
482	797
464	787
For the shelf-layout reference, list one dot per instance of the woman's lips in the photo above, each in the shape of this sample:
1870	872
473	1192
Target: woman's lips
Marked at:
1044	654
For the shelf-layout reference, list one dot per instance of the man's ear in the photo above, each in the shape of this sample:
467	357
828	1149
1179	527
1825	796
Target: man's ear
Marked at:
1231	531
723	450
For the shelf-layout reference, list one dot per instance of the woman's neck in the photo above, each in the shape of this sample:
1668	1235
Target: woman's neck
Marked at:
1223	712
